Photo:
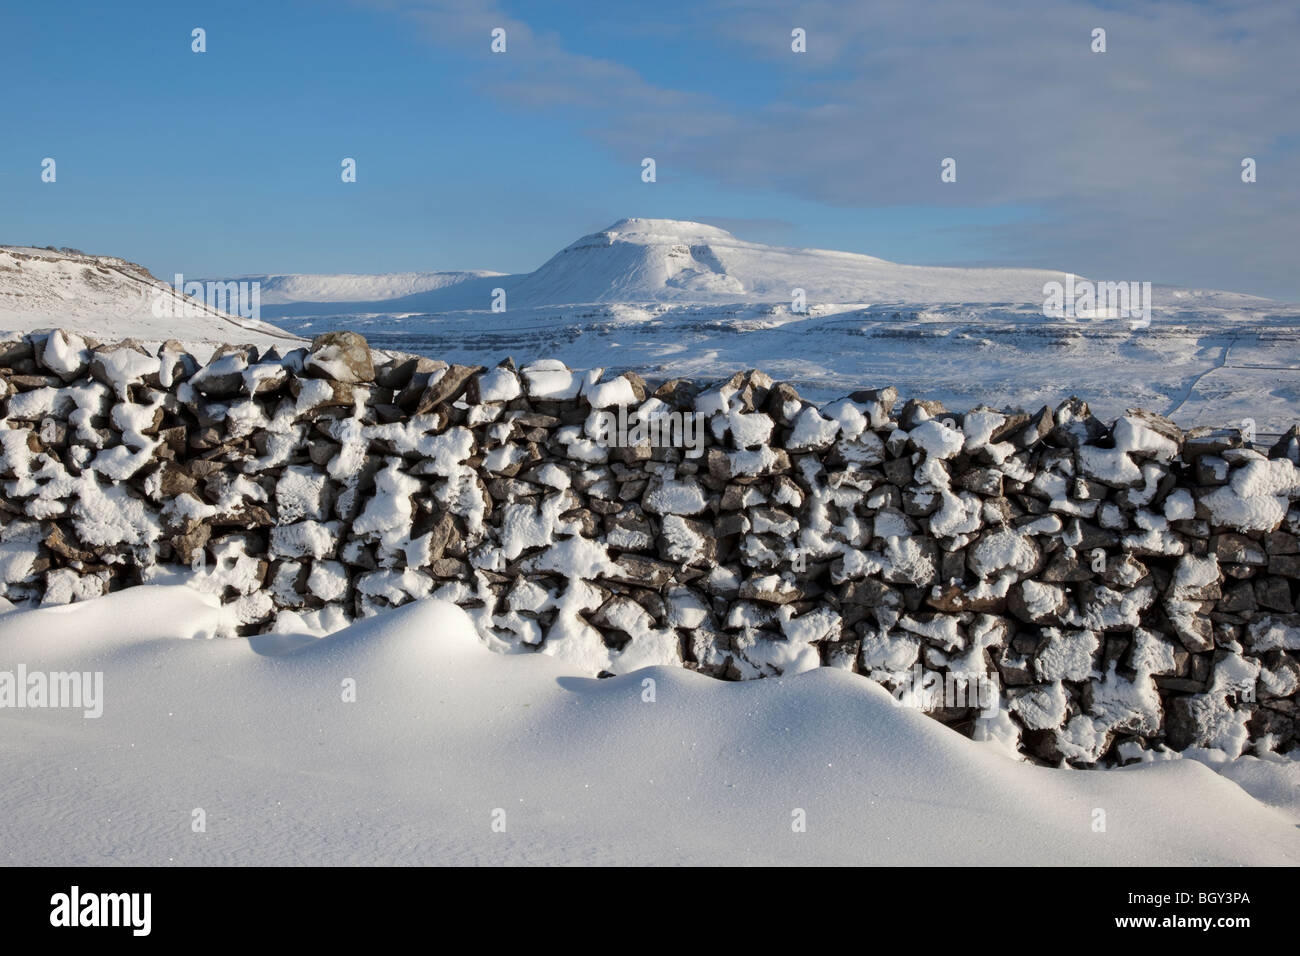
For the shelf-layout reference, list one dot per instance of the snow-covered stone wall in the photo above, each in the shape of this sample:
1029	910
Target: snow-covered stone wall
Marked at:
1092	591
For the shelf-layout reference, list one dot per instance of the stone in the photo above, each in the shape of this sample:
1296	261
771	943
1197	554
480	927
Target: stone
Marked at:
1281	542
1035	603
1075	425
1016	669
223	376
918	410
332	394
64	354
1274	594
982	481
1231	548
1285	565
447	387
1206	441
641	570
1183	726
398	372
342	357
870	593
1287	446
1035	429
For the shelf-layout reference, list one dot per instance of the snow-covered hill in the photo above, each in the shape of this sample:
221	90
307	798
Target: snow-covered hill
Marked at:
109	299
664	260
668	261
643	261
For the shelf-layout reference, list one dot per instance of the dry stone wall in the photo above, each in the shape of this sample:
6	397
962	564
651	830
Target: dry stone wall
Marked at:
1121	587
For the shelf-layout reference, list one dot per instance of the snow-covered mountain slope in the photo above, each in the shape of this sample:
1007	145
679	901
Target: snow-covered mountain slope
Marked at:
448	753
109	299
298	288
664	260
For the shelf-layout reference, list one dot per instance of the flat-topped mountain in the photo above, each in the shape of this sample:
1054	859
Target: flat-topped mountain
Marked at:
681	263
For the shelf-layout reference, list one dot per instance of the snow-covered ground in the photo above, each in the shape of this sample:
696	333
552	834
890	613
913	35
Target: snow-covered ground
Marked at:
1201	368
445	739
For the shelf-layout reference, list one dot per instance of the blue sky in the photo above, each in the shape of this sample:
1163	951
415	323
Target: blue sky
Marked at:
1122	165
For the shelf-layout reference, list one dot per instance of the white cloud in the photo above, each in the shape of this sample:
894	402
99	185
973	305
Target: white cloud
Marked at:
1133	155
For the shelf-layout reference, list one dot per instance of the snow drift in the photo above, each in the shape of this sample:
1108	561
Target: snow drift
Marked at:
248	752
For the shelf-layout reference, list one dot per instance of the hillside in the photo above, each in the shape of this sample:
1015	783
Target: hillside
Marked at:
109	298
665	260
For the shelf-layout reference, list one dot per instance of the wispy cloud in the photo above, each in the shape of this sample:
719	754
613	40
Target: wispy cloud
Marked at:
1132	155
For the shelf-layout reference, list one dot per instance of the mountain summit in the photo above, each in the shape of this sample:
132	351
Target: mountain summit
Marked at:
639	259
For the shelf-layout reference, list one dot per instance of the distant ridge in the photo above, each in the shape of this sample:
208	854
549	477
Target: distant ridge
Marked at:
673	262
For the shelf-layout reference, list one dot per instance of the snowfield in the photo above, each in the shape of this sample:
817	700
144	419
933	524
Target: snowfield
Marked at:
1200	369
445	737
